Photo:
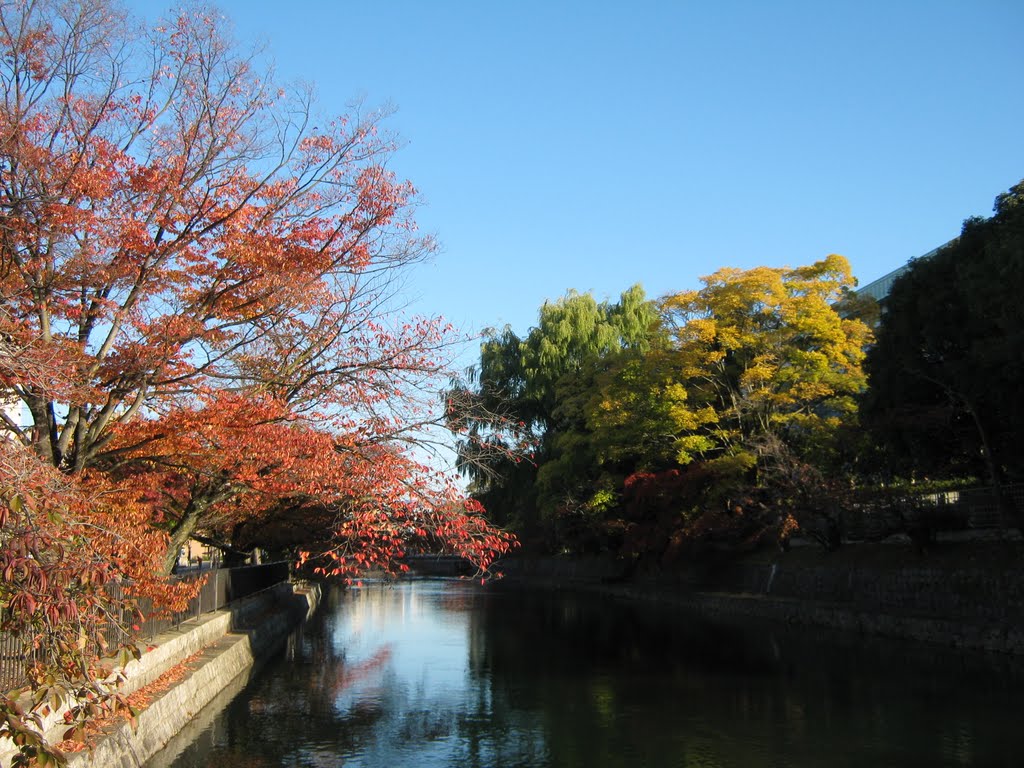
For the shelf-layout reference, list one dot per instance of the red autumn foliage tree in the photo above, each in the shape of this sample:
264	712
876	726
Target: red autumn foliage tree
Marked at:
210	272
73	567
255	475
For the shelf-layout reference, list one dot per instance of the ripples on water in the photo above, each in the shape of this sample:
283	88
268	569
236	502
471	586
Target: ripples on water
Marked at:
448	673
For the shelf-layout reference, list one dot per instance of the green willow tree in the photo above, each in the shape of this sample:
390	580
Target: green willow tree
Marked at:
526	443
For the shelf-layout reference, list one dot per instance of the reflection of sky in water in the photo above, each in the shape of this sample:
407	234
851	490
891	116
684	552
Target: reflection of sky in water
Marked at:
393	637
406	661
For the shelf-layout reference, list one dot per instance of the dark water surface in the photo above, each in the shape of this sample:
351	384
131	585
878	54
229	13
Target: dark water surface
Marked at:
448	673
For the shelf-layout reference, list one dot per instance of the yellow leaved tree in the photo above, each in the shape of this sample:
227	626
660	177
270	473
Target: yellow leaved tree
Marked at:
764	354
735	406
755	368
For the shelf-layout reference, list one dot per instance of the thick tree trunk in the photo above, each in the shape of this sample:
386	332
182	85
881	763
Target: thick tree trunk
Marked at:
44	436
238	554
991	468
180	535
202	499
1007	511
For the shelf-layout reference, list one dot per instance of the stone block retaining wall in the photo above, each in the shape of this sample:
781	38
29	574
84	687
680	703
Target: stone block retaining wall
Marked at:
970	597
228	643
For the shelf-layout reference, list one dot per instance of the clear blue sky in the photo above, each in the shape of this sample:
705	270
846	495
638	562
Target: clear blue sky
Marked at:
593	145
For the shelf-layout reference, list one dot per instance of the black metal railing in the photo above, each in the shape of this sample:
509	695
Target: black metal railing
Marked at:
12	662
221	587
872	517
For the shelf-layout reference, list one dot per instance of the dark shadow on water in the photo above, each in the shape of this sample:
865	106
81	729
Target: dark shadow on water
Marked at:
448	673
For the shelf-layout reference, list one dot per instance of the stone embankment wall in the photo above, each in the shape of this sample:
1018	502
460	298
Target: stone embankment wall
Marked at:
963	595
221	647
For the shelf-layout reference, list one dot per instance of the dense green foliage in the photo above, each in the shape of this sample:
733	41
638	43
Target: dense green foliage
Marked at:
754	405
639	417
526	446
948	368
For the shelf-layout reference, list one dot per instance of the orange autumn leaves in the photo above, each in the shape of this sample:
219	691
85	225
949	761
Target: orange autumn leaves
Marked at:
202	276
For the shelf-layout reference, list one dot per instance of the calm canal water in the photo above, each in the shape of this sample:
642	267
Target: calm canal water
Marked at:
446	673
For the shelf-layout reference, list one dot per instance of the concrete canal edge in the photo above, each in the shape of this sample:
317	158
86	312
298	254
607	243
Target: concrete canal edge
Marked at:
968	597
220	649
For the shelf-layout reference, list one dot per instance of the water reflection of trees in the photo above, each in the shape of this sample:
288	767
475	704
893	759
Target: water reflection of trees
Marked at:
562	680
323	704
294	695
625	684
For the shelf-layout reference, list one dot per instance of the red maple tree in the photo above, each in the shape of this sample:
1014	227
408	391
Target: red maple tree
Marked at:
77	564
210	269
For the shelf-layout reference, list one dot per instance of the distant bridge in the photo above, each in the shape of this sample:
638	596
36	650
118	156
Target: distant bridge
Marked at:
439	565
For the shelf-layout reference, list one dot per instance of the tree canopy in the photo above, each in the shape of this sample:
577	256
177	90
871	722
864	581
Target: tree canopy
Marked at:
764	352
205	265
755	369
524	408
750	381
947	369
